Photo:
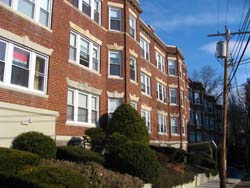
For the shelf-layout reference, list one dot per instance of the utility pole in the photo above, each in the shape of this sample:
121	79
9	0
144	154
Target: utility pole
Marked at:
223	155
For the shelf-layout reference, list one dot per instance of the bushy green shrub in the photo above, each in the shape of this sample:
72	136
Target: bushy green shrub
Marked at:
37	143
97	176
51	177
12	160
128	122
201	160
77	154
133	158
97	136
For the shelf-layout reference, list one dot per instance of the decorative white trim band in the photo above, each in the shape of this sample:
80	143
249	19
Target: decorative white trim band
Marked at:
24	40
159	51
144	37
132	12
145	71
115	94
115	47
84	87
161	81
85	33
163	113
133	53
134	97
119	5
145	107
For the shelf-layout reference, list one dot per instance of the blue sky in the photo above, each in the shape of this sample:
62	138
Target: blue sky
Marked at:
186	24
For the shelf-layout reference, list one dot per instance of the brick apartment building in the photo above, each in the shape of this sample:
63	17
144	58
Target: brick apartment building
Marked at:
205	115
66	65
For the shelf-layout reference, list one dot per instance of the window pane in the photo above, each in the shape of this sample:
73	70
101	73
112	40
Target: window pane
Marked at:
26	7
7	2
39	74
70	99
96	10
45	4
115	57
2	51
115	70
93	117
20	72
113	104
82	115
115	25
86	7
82	100
19	76
72	50
94	103
95	59
1	70
70	113
115	13
44	17
84	53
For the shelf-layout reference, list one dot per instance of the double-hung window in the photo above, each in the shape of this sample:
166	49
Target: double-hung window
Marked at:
146	117
162	124
172	67
144	49
113	104
133	69
183	126
132	26
174	125
160	62
91	8
197	98
145	84
182	98
173	96
161	92
2	59
198	119
115	63
39	10
181	72
84	52
23	68
82	107
114	19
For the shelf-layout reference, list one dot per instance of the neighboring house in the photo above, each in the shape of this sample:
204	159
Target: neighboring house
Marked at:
65	66
205	115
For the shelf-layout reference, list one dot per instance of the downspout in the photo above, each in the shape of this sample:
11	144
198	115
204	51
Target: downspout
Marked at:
125	52
180	115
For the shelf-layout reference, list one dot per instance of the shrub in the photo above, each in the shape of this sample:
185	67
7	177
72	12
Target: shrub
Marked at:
37	143
201	160
51	177
97	136
128	122
133	158
77	154
97	176
12	160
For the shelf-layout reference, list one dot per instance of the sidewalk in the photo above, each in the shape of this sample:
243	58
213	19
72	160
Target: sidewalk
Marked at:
216	184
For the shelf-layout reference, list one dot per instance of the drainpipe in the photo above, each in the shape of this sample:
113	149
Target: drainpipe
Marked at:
125	52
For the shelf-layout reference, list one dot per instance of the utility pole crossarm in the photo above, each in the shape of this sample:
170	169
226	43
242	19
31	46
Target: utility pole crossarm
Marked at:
224	34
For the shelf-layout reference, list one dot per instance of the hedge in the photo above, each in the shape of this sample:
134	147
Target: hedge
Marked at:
12	160
37	143
128	122
97	136
133	158
77	154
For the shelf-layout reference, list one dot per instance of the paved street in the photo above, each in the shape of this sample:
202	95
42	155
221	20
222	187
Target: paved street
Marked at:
216	184
245	182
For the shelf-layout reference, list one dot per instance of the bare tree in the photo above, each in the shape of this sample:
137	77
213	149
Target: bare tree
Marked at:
210	79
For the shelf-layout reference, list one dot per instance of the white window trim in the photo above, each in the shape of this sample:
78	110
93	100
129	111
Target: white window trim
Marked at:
109	16
92	10
161	63
148	120
14	5
75	122
144	46
32	62
163	93
174	134
170	96
169	72
115	76
135	62
164	118
147	91
91	46
134	19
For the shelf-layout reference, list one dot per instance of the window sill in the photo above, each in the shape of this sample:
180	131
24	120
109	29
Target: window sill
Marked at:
148	61
162	134
175	134
173	104
133	82
161	101
83	67
25	17
115	77
173	76
149	96
23	90
80	124
115	31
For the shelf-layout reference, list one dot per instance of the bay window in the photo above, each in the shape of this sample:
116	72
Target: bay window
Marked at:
23	68
84	52
82	107
39	10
